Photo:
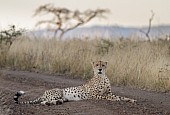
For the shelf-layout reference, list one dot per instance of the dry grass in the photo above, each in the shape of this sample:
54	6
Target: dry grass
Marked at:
138	64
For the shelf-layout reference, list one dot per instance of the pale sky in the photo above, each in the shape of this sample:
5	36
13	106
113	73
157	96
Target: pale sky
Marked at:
123	12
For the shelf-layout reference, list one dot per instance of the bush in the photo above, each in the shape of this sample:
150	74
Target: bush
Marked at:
6	39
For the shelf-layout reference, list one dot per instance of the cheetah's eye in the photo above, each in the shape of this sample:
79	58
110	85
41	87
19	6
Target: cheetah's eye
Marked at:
96	64
103	65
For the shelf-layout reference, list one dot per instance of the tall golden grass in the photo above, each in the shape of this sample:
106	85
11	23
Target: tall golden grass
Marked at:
138	64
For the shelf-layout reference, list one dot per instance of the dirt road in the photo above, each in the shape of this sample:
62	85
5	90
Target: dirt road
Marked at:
149	103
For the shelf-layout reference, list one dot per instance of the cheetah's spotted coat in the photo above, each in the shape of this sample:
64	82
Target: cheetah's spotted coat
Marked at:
97	88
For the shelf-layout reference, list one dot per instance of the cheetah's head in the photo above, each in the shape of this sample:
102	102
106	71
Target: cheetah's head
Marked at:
99	67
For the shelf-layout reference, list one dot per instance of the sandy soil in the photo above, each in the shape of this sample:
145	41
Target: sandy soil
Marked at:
149	103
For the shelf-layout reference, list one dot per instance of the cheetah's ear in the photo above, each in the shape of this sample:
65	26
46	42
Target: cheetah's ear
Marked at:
92	62
106	63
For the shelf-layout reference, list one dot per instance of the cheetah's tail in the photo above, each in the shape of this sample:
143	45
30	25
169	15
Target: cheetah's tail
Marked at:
19	94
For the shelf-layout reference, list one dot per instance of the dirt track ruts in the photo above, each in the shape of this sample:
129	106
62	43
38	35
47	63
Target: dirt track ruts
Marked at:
149	103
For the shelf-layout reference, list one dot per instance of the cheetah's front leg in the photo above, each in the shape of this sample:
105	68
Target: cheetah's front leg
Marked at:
113	97
107	97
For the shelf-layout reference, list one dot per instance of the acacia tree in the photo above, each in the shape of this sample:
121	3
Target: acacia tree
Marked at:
64	20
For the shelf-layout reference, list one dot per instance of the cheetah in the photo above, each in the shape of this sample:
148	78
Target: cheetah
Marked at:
98	87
